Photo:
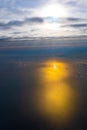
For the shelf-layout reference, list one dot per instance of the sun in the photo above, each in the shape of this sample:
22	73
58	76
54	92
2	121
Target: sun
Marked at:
54	10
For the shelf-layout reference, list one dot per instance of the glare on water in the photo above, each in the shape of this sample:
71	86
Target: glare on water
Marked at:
55	98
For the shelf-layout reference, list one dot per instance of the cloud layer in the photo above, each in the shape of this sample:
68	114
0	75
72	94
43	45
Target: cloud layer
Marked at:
19	18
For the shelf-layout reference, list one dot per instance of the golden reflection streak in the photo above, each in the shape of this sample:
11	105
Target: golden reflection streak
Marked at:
55	98
53	71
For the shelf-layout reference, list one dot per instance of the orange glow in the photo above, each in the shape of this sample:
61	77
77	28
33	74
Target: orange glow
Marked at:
55	99
54	66
49	74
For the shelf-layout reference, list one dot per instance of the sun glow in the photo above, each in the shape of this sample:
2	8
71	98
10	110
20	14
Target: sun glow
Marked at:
54	10
50	75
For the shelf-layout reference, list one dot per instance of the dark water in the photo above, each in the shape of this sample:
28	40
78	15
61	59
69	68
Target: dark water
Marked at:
43	89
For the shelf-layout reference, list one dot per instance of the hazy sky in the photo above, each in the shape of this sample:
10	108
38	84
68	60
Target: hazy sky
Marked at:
42	18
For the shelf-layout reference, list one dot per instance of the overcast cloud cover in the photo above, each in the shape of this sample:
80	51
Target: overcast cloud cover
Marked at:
37	18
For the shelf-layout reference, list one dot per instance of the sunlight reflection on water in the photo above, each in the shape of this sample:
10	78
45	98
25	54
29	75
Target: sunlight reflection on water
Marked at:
55	98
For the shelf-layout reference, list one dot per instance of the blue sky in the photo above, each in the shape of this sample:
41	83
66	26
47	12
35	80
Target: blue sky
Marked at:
42	18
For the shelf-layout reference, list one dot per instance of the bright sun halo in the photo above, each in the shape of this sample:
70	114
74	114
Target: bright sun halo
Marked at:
54	10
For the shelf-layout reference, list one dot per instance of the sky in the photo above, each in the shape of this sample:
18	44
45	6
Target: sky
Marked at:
42	18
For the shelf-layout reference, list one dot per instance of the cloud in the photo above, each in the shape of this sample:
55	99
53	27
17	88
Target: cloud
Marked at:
73	19
21	18
62	20
80	25
33	20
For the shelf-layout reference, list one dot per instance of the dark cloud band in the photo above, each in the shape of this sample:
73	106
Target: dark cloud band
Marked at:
81	25
33	20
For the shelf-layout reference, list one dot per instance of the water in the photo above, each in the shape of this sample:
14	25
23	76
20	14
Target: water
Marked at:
43	89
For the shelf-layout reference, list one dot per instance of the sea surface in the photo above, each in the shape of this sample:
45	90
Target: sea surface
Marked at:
43	88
